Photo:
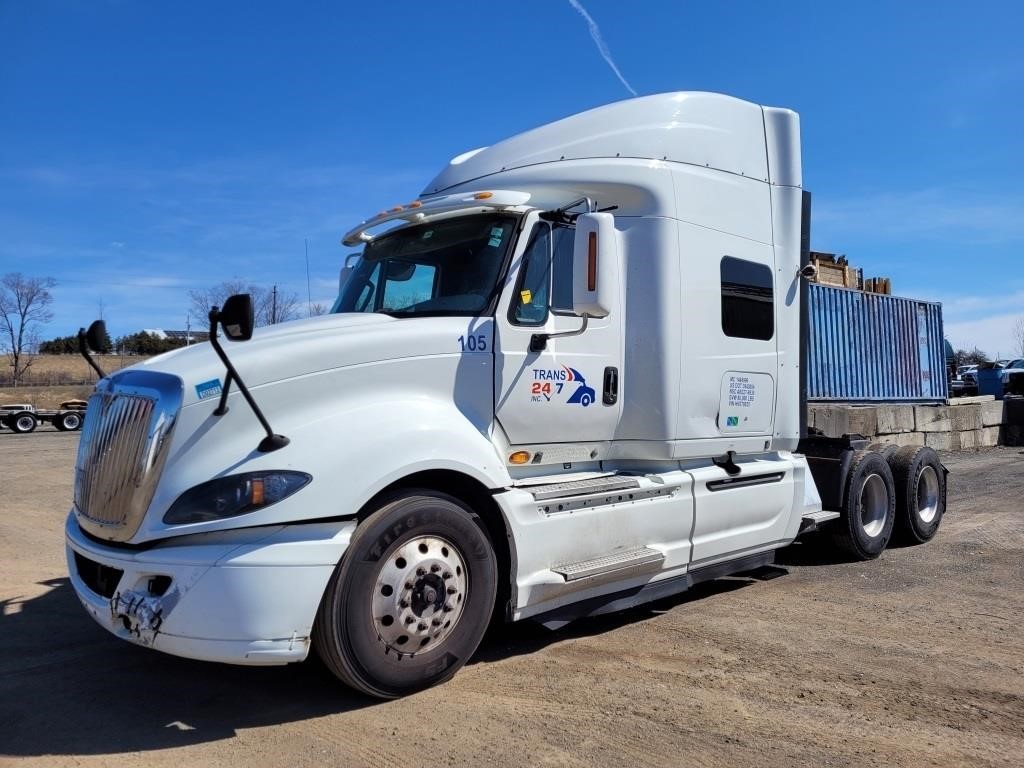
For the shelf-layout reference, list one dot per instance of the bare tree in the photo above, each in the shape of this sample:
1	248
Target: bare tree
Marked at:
316	309
270	305
24	307
1018	334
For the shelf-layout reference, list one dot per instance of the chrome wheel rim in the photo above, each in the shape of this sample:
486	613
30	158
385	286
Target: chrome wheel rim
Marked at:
419	595
927	494
874	505
72	421
25	423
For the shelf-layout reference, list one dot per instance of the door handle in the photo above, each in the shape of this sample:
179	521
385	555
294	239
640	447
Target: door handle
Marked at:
611	385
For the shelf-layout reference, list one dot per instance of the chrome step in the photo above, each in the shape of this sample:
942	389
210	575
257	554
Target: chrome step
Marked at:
636	558
811	520
583	487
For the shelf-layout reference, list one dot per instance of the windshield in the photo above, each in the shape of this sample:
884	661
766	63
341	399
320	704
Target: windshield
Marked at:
447	267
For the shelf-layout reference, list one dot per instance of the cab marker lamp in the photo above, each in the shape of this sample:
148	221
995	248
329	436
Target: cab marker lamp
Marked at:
234	495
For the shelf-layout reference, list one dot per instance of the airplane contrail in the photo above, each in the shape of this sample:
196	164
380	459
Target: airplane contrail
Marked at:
602	47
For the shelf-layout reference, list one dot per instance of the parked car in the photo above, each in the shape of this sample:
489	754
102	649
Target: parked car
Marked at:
1012	370
965	382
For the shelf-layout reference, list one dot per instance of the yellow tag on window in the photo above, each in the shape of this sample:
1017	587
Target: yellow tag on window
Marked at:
526	296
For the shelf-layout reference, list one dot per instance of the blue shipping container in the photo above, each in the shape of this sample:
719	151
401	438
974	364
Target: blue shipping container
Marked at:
866	347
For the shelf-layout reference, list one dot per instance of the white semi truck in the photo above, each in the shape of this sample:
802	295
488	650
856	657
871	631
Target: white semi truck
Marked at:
563	381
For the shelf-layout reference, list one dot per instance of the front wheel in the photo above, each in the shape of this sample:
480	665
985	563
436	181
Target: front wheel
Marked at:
411	599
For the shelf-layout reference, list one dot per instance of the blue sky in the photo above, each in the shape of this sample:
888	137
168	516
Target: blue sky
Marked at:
148	148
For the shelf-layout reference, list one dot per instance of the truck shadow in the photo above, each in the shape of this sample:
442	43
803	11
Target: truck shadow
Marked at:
69	688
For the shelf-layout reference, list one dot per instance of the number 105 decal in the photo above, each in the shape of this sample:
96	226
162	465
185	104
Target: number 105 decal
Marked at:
473	343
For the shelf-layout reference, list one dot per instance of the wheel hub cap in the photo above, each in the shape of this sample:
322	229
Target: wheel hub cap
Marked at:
419	595
874	505
927	494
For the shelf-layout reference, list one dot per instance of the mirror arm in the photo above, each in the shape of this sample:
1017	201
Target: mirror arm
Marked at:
539	341
271	442
84	349
222	406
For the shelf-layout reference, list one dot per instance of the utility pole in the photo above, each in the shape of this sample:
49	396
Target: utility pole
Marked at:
273	306
309	292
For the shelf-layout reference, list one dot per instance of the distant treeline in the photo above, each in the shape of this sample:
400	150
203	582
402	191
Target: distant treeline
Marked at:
140	343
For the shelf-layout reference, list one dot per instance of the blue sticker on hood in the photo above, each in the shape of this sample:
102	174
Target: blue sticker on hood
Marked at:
207	389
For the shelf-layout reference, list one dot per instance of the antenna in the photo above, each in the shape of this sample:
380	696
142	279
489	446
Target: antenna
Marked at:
309	293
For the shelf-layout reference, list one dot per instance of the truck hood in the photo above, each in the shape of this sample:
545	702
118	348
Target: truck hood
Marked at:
304	347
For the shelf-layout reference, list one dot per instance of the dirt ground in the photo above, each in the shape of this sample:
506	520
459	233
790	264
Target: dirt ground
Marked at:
915	659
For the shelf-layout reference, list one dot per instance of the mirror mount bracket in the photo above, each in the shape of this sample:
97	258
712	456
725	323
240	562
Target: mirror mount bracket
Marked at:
271	442
97	329
539	341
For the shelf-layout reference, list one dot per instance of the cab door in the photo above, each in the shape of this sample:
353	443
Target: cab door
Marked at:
569	391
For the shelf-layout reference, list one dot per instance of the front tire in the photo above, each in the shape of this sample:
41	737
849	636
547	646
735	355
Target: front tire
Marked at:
869	507
411	598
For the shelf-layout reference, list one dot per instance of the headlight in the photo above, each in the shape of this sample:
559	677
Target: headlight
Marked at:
234	495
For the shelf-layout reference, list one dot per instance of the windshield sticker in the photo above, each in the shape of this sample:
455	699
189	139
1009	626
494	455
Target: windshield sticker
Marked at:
526	296
207	389
496	234
549	384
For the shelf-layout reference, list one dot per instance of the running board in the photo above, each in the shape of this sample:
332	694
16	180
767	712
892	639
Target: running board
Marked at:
810	521
582	487
634	559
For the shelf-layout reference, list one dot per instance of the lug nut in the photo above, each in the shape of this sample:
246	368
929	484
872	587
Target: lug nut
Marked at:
409	619
436	622
421	572
403	603
446	575
448	607
421	626
409	585
452	590
435	568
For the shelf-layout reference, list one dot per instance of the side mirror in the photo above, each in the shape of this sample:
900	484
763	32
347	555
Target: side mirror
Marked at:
595	265
96	336
237	317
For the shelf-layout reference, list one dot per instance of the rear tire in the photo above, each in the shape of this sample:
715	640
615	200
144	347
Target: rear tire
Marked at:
920	493
411	598
23	422
69	422
869	507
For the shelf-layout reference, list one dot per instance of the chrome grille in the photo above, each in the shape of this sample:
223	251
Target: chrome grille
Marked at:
122	450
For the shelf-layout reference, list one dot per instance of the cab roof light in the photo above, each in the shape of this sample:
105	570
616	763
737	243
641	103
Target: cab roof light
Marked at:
483	195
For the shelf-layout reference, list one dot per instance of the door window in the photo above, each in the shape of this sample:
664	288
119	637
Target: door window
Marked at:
545	280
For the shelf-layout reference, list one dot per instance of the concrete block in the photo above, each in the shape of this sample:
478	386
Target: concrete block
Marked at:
895	418
901	439
965	418
970	439
989	436
943	441
931	418
863	420
992	413
971	400
832	420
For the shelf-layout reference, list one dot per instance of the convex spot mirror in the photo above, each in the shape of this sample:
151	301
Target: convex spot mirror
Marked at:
595	265
236	317
96	336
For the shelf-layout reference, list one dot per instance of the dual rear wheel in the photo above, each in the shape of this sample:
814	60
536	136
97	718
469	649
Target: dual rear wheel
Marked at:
890	492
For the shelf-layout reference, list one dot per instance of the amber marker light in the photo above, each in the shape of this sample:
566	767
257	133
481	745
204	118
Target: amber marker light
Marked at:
519	457
257	492
415	204
483	195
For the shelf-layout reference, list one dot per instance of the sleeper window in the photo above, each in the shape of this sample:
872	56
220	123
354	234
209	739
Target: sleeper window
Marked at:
748	310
